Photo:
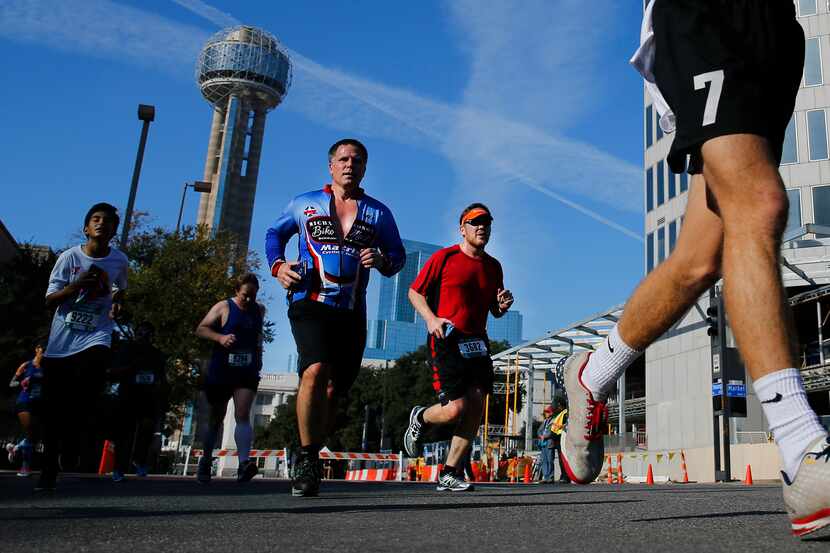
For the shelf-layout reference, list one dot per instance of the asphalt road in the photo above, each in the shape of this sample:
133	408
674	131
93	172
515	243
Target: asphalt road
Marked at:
175	514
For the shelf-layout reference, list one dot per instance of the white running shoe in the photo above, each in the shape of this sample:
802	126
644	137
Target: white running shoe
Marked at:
807	498
453	483
412	434
583	450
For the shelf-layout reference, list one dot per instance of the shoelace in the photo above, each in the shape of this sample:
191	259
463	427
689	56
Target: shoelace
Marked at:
597	417
825	454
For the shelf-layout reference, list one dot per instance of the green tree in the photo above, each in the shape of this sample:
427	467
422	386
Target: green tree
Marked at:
282	430
174	279
23	314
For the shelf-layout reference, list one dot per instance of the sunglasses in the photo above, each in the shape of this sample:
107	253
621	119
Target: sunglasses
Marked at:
482	221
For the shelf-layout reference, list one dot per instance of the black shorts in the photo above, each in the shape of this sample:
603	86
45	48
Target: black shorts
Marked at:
220	391
326	334
727	67
453	374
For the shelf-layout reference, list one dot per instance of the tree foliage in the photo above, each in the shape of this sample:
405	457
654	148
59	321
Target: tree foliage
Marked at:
174	279
23	314
389	392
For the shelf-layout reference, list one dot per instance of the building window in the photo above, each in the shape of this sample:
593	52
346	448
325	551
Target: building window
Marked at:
672	185
794	215
661	244
684	181
812	62
790	151
650	252
672	236
649	125
817	134
649	189
264	399
661	188
807	7
821	205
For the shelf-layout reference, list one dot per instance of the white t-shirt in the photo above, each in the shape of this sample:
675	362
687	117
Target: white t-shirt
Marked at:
83	321
643	62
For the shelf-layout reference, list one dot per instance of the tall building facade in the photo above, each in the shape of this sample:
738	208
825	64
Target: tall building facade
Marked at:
679	366
399	329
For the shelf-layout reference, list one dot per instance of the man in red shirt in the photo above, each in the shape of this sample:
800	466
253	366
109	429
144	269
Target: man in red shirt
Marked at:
453	294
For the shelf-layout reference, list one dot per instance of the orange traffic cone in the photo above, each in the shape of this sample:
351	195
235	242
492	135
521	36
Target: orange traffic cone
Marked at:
683	467
748	479
527	473
107	458
476	472
610	478
620	479
650	476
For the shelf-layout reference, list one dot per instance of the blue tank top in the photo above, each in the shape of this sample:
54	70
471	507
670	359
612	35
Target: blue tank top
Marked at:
246	354
32	389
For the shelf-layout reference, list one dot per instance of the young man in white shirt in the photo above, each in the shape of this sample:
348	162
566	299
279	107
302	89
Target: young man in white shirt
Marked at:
86	289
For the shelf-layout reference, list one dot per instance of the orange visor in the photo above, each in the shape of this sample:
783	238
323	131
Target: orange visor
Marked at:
476	212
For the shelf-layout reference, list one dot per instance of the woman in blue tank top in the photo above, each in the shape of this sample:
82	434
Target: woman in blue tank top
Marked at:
29	378
235	326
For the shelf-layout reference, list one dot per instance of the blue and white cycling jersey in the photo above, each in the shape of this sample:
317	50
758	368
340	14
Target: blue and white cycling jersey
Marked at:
333	273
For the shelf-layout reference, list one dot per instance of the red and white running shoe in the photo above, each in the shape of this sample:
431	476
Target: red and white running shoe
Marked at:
808	496
583	450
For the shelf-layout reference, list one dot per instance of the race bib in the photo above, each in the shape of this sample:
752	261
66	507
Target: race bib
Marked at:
82	318
240	359
472	348
145	378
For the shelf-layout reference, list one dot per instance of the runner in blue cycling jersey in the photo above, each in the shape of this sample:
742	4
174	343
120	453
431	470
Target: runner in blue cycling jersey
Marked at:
29	378
343	233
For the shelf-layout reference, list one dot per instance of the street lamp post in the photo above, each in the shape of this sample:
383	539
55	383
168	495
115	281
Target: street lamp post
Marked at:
147	114
198	186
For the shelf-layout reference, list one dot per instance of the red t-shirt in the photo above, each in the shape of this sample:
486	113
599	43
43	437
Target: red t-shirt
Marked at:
467	287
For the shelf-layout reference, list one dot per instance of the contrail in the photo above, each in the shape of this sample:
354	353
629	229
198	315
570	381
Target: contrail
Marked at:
429	127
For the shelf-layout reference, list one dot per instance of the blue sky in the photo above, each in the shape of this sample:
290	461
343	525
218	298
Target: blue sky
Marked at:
527	105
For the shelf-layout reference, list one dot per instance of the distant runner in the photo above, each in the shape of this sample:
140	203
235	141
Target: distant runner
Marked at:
235	325
453	293
86	288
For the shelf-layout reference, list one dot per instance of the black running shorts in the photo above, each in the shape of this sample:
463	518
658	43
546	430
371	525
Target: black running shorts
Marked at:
727	67
326	334
460	362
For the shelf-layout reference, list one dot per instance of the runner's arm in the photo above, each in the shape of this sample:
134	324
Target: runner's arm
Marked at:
15	382
212	321
61	288
435	324
278	235
391	247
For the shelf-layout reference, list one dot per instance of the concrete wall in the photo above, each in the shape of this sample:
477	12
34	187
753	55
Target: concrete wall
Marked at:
763	458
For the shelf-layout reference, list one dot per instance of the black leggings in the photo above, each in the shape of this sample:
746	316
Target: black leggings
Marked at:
72	389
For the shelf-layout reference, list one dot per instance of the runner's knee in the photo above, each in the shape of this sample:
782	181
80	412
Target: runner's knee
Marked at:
454	409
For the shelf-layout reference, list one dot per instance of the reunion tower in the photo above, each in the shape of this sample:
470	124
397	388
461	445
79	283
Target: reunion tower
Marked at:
243	72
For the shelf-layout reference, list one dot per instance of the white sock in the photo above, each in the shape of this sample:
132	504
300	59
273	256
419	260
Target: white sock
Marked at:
607	364
791	419
243	434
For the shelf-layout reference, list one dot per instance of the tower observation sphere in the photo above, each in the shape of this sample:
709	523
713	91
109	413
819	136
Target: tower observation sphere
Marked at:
243	72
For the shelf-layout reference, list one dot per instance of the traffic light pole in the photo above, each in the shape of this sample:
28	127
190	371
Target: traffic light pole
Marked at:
716	319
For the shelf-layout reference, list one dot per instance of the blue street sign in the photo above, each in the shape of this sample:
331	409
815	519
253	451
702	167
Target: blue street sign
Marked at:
736	390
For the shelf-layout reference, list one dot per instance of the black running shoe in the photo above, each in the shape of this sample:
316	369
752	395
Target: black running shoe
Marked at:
204	470
246	471
305	477
46	482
